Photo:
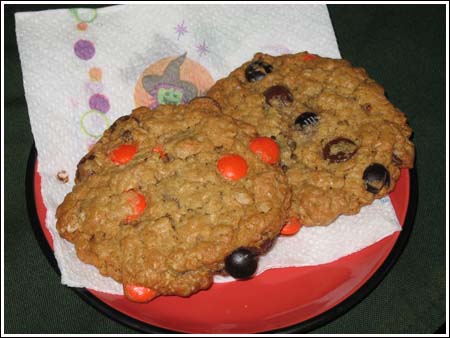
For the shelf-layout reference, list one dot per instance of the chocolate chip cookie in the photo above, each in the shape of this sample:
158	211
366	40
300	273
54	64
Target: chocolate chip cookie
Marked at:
166	196
342	142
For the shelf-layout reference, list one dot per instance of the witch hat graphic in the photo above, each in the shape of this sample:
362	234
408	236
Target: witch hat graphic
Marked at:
168	88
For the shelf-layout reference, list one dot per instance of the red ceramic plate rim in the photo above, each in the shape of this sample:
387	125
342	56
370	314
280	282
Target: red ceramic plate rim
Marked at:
279	300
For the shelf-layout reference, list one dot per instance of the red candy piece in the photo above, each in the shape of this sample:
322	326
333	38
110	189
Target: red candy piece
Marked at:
267	148
308	57
232	167
139	294
291	227
122	154
159	149
138	204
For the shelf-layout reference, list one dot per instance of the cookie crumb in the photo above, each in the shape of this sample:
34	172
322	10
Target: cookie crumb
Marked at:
63	176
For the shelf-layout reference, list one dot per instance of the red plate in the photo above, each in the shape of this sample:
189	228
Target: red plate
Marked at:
287	300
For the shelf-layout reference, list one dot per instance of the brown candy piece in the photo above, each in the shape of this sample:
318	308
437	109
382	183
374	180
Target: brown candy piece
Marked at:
257	70
339	150
375	177
305	120
280	94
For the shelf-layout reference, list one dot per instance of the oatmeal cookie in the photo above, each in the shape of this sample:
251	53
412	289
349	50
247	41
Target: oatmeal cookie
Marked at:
342	142
167	195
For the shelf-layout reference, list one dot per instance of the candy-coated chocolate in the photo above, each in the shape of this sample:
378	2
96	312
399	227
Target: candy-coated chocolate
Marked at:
232	167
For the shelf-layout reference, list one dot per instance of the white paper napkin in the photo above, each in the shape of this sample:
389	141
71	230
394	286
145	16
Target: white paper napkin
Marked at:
83	68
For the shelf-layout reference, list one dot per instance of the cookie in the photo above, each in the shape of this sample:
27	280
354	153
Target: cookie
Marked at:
342	142
166	196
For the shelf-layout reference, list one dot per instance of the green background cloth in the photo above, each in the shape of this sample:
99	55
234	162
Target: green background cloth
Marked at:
403	48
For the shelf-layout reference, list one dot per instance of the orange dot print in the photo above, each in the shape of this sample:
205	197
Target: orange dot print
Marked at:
95	74
82	26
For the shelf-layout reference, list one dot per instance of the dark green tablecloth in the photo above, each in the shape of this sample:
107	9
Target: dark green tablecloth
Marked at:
402	47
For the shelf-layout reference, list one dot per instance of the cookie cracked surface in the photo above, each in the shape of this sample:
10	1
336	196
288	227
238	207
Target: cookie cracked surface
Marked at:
342	142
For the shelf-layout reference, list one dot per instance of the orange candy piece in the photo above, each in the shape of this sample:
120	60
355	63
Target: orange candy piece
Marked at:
122	154
159	149
139	294
232	167
308	57
291	227
267	148
138	204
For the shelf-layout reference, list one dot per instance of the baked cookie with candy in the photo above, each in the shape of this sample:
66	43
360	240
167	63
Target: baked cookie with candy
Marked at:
342	142
169	197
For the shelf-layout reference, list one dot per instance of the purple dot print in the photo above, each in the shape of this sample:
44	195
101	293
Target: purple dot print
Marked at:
99	102
84	49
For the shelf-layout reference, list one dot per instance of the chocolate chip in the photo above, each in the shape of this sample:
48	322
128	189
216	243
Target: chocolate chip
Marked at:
123	118
127	136
113	127
367	107
375	177
83	159
87	157
81	171
257	70
396	160
280	94
165	158
266	245
306	119
292	145
273	137
284	167
293	156
339	150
